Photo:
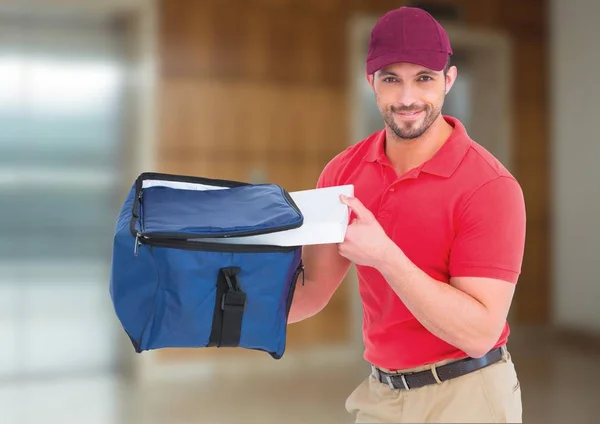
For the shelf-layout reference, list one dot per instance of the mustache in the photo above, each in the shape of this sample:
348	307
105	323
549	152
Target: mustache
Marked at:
407	109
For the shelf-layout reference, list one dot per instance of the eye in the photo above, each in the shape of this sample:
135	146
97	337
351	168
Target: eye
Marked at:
425	78
389	79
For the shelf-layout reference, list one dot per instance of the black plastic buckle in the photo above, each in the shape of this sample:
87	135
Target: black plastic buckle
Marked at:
233	300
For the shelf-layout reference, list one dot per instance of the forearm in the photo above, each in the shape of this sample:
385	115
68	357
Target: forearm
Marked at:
445	311
324	271
307	301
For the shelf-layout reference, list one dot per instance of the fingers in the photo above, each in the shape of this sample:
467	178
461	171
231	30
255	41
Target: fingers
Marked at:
356	206
343	249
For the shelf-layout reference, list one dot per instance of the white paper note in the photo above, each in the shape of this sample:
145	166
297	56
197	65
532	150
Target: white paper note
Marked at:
325	220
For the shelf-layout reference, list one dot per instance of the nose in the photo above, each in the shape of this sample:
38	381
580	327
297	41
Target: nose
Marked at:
407	95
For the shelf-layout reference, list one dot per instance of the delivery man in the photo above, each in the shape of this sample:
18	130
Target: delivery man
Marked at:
437	236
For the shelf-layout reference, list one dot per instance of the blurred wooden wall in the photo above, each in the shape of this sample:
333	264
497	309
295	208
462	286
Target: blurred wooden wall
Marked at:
250	85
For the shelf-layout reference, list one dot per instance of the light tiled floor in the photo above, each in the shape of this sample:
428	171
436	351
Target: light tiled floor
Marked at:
560	384
84	400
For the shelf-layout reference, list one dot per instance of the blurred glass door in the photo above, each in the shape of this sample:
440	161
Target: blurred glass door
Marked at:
61	120
458	102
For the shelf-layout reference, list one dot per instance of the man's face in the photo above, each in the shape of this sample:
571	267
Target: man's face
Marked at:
410	97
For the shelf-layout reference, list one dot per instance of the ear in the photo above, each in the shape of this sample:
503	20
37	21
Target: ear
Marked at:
451	76
371	80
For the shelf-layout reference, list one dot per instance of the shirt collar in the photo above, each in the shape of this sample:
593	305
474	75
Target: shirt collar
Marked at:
446	159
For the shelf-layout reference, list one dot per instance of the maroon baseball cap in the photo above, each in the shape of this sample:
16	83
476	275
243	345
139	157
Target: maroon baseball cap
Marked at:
408	34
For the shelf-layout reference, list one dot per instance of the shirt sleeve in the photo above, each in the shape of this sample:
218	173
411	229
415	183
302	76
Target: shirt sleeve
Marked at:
490	232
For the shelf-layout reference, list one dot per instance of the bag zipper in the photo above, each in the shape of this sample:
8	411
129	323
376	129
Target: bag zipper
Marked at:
208	246
290	298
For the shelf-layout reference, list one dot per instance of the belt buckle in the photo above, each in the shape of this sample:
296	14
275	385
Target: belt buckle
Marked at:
404	382
388	378
402	377
389	381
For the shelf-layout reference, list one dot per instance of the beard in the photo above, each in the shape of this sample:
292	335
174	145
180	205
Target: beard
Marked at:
409	130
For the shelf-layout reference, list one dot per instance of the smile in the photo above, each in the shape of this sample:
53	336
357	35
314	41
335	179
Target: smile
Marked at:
409	115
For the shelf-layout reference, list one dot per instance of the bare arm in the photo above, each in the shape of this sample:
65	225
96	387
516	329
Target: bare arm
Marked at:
468	313
324	271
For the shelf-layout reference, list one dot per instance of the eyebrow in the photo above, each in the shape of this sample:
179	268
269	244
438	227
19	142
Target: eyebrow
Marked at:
422	72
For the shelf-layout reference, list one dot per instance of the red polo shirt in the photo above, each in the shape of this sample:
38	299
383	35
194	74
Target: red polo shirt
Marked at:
459	214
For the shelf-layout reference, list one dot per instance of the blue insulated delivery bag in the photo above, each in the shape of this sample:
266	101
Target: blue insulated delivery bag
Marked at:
173	287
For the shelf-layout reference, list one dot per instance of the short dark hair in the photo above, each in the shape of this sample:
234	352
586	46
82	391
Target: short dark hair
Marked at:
448	64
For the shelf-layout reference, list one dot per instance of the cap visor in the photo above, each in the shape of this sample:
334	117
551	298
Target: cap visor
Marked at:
433	60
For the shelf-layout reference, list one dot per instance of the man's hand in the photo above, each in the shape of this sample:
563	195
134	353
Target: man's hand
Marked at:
366	243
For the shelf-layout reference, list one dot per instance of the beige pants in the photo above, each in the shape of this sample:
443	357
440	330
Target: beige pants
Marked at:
490	395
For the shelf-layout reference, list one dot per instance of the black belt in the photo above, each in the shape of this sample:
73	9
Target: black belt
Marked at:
445	372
